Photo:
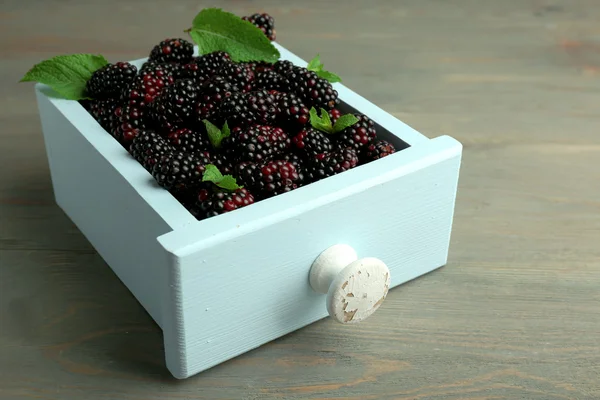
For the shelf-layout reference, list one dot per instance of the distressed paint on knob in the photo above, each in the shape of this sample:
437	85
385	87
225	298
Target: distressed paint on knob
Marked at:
358	290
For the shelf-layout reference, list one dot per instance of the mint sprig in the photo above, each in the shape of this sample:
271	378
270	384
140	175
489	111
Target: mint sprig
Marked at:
66	74
216	30
216	135
317	66
212	174
323	123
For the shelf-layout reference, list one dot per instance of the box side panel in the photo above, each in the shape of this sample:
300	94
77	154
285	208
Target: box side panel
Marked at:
105	208
237	294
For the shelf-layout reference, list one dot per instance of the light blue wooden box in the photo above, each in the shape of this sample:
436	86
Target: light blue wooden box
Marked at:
221	287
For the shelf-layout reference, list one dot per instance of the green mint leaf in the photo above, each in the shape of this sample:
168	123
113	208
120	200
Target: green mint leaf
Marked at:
215	136
225	131
315	64
322	123
66	74
229	183
330	76
212	174
314	117
325	118
216	30
344	122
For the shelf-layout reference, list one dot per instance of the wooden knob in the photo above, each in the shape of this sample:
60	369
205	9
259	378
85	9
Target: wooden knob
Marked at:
355	287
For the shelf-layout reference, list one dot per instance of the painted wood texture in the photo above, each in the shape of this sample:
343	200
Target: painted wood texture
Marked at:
514	315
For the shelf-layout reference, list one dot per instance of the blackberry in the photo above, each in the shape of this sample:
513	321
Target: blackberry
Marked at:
284	66
258	66
172	68
209	64
131	120
264	22
310	142
238	75
313	91
271	80
359	135
329	164
175	106
104	111
334	114
180	171
223	162
291	111
147	85
148	147
187	141
269	178
213	201
257	143
245	109
177	50
378	149
297	162
212	93
110	80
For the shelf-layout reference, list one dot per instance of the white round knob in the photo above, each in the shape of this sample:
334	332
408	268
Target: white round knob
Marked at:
355	287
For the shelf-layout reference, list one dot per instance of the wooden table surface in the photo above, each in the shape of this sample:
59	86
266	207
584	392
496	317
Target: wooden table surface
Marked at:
514	315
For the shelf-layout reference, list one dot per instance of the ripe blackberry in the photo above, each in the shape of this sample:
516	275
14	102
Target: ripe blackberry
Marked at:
209	64
212	93
147	85
180	171
264	22
110	80
172	68
284	66
313	91
291	111
175	106
223	161
359	135
148	147
297	162
271	80
269	178
187	141
245	109
309	142
329	164
177	50
257	143
131	120
213	201
258	66
237	75
378	149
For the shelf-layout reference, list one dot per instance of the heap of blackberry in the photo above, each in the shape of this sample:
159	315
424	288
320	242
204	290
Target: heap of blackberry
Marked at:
212	93
188	141
271	80
213	201
314	91
110	80
329	164
180	171
378	149
238	75
269	178
149	147
257	143
359	135
175	106
176	50
264	22
292	113
245	109
310	142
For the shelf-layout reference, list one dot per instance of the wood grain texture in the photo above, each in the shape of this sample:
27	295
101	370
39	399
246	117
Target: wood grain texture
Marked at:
515	314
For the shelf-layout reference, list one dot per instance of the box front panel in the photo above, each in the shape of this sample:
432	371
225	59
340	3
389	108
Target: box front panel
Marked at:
238	294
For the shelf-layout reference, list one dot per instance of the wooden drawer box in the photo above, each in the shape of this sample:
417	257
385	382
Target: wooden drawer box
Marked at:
231	283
